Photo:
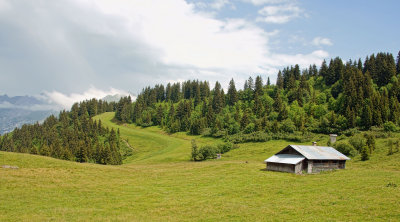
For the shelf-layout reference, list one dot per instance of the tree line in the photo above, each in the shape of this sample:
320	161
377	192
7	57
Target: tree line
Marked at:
334	98
74	135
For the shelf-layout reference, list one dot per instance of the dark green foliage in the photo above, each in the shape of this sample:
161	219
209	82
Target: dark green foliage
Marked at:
218	98
390	127
210	151
258	90
195	152
364	154
390	147
398	63
71	136
358	142
370	142
232	93
345	148
340	97
264	137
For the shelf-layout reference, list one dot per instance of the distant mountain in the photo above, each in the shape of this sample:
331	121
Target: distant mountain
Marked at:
20	100
12	118
19	110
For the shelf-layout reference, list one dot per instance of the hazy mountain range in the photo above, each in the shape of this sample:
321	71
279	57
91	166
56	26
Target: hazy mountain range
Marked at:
18	110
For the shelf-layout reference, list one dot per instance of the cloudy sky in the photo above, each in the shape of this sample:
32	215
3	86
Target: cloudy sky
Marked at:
73	49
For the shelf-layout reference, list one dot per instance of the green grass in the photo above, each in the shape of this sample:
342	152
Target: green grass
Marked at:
152	145
159	184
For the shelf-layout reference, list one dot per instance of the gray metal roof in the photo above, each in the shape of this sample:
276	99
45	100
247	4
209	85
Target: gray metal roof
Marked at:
319	152
285	158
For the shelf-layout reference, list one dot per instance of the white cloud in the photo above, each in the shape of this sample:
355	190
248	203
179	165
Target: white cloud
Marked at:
279	13
319	41
264	2
218	4
66	101
66	45
213	5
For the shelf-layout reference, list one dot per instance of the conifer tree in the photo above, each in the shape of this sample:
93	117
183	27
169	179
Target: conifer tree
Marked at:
232	93
398	63
244	121
364	154
367	115
217	101
296	72
258	89
250	83
246	85
279	80
323	71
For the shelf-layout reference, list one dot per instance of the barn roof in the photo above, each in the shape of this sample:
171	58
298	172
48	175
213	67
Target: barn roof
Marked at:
319	152
285	158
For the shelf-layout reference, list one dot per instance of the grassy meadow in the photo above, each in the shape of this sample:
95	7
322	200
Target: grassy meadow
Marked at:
159	183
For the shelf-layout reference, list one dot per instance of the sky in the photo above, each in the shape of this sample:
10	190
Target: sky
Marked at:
69	50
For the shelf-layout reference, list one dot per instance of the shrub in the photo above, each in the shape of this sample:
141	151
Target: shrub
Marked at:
206	132
264	137
219	133
210	151
351	132
345	148
357	142
364	154
288	126
223	148
249	128
389	127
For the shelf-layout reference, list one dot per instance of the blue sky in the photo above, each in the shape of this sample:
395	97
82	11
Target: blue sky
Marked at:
68	50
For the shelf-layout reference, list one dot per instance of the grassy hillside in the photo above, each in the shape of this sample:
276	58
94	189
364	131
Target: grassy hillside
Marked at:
159	183
152	145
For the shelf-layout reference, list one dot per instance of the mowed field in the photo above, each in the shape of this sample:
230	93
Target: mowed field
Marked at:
159	183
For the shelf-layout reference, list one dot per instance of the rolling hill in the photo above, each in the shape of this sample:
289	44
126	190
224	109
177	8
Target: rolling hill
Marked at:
158	182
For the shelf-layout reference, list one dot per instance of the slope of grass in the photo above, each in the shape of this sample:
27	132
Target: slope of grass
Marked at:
152	145
160	184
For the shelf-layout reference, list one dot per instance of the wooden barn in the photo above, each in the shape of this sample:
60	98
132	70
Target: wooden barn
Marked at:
310	159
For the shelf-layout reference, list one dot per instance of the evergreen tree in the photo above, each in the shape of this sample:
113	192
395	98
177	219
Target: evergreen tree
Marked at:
250	83
232	93
279	80
364	154
398	63
258	89
244	121
323	71
367	115
217	101
195	151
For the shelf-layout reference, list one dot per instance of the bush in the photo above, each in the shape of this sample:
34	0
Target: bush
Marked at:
223	148
264	137
389	127
249	128
345	148
210	151
206	132
219	133
288	126
351	132
364	154
358	142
